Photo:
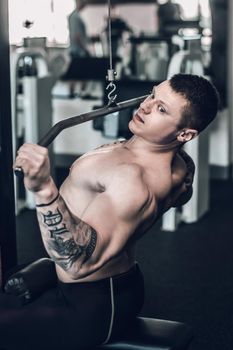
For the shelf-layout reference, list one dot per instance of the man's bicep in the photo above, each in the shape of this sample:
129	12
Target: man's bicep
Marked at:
69	241
104	214
110	232
80	246
115	215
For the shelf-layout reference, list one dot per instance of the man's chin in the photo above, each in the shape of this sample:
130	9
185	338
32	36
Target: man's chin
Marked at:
130	126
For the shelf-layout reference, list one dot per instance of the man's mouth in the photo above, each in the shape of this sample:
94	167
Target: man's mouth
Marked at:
138	117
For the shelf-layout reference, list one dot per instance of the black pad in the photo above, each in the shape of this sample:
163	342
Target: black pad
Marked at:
153	334
144	334
32	281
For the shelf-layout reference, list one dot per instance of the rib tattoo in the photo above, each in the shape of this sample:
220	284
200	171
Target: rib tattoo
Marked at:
68	246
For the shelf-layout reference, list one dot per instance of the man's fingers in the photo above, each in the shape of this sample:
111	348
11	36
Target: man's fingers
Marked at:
33	149
36	156
26	163
21	164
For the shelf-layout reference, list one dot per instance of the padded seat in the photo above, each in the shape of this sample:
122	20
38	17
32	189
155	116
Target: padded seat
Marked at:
153	334
144	334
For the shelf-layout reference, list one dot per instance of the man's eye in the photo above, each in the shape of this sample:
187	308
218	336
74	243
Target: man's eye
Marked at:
161	109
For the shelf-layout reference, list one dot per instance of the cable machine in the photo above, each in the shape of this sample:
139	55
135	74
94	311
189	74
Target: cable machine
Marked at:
8	255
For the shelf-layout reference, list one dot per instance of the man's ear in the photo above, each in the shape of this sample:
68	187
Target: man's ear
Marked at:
186	135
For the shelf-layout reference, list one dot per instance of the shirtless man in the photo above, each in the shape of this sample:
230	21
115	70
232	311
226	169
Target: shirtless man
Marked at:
115	193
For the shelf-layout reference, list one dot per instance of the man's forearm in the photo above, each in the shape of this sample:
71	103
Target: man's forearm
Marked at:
69	241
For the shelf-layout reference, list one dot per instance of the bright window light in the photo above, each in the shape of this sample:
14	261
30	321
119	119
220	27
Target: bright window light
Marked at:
49	19
190	8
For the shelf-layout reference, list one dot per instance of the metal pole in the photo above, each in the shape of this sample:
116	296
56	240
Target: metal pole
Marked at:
110	35
230	82
8	254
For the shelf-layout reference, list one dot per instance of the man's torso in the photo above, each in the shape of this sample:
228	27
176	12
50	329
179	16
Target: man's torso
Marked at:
93	173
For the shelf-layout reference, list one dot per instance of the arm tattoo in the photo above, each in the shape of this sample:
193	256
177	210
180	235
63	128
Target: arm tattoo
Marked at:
67	246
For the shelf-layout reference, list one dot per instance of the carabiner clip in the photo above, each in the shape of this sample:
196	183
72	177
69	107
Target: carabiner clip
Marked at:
111	97
112	86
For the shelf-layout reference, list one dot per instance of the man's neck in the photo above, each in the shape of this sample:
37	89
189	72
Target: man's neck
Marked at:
142	148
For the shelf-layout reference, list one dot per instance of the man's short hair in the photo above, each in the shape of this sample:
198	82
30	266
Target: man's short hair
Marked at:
202	97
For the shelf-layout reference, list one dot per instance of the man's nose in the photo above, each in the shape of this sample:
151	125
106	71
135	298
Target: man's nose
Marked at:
146	106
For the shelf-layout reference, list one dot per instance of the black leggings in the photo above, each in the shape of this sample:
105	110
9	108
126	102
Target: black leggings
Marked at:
72	315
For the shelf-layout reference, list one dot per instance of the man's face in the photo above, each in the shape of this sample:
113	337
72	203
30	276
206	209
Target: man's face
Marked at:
158	117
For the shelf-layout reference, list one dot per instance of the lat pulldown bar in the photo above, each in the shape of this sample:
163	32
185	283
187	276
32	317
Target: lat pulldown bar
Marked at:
82	118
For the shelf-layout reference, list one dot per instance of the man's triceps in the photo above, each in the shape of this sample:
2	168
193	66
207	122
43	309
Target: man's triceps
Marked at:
69	244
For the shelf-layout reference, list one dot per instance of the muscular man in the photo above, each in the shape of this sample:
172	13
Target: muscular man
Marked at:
111	197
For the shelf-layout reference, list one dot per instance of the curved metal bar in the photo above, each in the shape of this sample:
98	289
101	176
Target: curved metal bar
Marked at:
82	118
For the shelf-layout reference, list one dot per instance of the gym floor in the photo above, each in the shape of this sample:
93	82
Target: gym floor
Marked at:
188	273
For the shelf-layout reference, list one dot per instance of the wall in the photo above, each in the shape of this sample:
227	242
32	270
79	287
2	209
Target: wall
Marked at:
52	22
220	140
220	136
141	17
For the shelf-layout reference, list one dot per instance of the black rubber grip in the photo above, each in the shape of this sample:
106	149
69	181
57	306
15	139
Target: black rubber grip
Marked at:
19	172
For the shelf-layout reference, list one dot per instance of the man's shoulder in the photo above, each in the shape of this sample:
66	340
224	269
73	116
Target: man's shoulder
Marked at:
187	160
179	163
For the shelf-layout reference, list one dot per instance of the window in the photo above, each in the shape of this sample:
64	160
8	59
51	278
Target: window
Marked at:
49	19
190	8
